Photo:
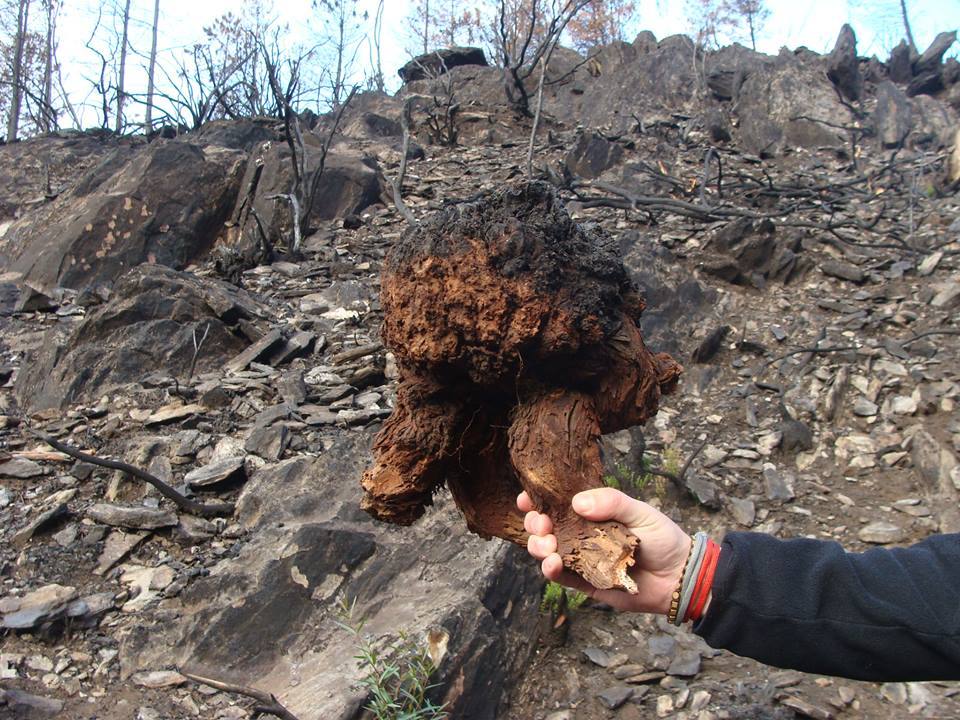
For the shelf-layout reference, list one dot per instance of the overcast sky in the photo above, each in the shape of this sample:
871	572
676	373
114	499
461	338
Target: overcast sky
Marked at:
813	23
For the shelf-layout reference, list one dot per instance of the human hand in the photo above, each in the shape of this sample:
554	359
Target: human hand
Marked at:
660	557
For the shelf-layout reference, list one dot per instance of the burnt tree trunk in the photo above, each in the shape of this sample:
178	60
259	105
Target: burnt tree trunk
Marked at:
516	332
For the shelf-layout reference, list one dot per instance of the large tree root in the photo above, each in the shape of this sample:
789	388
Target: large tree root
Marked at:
516	332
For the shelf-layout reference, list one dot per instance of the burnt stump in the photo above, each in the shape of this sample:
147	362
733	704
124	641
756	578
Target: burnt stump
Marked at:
516	333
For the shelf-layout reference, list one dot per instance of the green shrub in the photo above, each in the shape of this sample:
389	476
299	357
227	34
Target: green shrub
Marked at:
557	599
396	677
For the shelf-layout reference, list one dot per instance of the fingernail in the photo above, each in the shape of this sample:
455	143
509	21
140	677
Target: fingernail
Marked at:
583	502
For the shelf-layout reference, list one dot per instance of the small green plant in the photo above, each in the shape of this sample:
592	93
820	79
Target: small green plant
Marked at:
627	480
558	599
396	677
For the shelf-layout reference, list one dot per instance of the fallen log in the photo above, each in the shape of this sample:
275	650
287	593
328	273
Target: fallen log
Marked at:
516	334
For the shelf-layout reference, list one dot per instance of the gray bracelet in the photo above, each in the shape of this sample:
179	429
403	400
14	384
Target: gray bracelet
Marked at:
689	577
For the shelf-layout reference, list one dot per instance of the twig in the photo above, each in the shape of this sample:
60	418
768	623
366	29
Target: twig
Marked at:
536	120
196	350
711	154
928	334
397	184
267	703
191	506
812	351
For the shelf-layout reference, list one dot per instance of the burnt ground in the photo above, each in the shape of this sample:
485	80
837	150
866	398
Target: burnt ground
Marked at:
874	413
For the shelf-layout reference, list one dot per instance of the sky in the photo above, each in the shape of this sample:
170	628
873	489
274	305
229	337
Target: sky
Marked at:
792	23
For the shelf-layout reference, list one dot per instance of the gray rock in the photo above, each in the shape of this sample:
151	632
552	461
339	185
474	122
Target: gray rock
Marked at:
297	345
194	530
899	65
865	408
842	270
438	62
48	517
429	572
266	343
932	57
705	491
5	498
268	442
137	518
613	697
893	117
743	510
38	606
21	469
592	155
789	104
685	664
21	704
894	692
292	388
117	546
229	468
948	295
843	68
777	487
881	533
597	656
87	611
662	645
148	325
165	204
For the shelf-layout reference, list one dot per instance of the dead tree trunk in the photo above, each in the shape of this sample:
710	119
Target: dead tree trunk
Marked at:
13	121
121	73
516	332
151	70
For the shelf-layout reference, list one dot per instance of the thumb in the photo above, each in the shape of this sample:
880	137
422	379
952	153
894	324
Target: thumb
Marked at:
609	504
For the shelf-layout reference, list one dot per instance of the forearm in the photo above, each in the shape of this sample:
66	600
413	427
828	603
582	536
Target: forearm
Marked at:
808	605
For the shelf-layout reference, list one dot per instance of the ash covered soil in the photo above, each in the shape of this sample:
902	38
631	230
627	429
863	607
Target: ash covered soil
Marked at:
811	291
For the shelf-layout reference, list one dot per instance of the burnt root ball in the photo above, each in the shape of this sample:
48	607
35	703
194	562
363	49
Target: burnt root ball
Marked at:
516	333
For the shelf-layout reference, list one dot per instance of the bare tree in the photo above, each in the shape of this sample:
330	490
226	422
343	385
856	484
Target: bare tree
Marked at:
750	13
49	117
906	24
341	21
376	81
601	22
524	39
714	21
13	120
433	24
284	76
151	69
122	70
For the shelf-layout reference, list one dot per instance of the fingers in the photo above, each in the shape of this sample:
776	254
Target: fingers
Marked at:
542	546
524	502
537	523
552	569
610	504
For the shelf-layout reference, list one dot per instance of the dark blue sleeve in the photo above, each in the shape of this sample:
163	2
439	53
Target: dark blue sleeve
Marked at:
885	614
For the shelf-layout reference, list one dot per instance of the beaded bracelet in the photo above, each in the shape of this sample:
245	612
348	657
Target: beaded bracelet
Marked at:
696	580
675	597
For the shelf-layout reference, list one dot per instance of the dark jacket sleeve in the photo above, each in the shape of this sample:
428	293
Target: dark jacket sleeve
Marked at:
885	614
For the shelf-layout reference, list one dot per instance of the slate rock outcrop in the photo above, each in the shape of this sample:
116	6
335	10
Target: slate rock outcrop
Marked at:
166	204
148	325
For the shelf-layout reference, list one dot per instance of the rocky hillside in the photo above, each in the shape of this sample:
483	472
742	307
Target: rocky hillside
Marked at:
792	221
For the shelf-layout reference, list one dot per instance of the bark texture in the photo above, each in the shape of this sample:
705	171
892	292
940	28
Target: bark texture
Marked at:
517	336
